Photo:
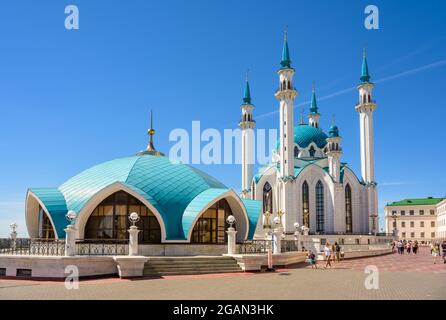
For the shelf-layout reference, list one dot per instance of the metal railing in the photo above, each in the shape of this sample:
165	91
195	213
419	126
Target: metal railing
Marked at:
102	247
288	246
254	246
40	247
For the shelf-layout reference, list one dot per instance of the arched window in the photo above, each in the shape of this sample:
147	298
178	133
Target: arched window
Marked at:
296	152
312	151
320	225
110	219
348	209
267	198
211	226
289	84
284	85
46	230
305	205
370	98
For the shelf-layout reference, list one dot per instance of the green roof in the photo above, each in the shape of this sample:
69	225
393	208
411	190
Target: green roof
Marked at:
305	134
416	202
247	94
313	105
365	75
286	61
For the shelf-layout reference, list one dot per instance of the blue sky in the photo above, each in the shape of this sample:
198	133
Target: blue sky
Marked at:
72	99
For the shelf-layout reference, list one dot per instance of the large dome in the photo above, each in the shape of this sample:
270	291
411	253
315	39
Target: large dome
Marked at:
305	134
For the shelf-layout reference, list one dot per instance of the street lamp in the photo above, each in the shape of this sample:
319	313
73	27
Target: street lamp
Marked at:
231	221
134	218
71	216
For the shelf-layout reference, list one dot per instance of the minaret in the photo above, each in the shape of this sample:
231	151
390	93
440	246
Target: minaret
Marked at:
334	152
313	117
365	107
150	147
286	95
247	125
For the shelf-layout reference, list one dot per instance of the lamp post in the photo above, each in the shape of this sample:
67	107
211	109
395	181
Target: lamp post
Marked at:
231	235
277	235
373	216
13	235
70	234
297	235
133	234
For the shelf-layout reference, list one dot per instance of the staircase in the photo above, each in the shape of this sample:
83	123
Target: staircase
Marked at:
169	266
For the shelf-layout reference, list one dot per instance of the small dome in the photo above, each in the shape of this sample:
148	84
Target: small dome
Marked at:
333	132
305	134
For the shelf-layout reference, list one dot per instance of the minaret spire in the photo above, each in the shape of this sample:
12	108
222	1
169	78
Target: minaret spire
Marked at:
286	61
313	117
247	125
151	147
365	76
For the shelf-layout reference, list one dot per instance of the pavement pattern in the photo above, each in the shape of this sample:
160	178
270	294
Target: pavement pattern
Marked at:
400	277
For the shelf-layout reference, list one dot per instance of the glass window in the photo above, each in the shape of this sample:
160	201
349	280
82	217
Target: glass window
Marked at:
432	224
46	230
348	209
403	224
267	198
421	224
394	224
109	220
312	151
412	224
393	213
305	205
211	226
296	152
422	235
403	234
403	213
421	212
432	235
319	207
432	212
411	212
412	234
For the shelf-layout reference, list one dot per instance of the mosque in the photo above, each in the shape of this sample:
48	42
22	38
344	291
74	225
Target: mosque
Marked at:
306	182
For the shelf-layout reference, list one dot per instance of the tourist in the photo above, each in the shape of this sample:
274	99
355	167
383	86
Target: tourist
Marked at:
443	249
408	246
312	259
338	251
393	247
415	247
400	247
333	252
434	251
327	253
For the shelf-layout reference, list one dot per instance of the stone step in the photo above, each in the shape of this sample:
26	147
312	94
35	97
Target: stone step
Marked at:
191	272
159	266
191	266
168	263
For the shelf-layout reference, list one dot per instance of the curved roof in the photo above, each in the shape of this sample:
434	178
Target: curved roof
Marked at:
305	134
170	187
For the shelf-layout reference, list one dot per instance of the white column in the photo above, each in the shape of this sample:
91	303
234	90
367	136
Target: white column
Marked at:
231	241
133	240
278	240
70	241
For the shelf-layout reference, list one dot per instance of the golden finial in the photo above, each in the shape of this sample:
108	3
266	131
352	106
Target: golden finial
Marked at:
150	147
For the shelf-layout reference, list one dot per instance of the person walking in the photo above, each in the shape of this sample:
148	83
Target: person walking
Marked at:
443	249
327	253
338	251
399	245
415	247
434	251
408	246
333	252
312	259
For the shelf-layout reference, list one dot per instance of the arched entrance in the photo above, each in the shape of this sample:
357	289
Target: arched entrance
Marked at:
211	226
46	230
109	220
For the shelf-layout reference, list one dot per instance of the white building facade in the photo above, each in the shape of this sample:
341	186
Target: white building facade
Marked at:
306	181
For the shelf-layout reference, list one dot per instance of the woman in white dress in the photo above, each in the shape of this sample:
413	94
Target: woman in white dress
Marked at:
327	253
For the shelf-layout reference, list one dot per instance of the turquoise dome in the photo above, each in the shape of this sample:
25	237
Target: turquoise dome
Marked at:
305	134
333	132
177	191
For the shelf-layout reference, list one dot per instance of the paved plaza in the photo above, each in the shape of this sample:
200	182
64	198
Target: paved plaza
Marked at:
400	277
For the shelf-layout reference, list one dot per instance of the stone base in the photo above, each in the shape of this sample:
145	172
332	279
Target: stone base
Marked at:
130	266
254	262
